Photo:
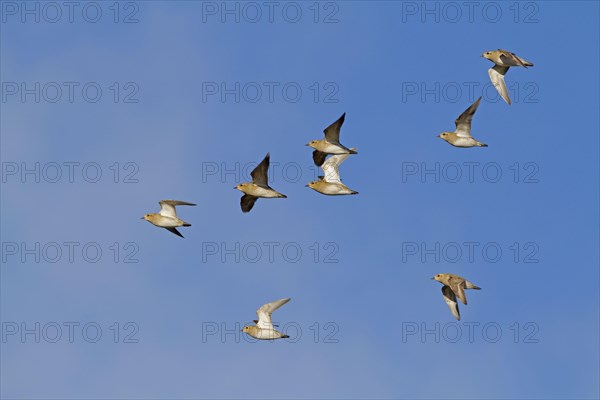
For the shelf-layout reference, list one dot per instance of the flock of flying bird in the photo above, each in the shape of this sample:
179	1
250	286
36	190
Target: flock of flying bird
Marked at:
329	154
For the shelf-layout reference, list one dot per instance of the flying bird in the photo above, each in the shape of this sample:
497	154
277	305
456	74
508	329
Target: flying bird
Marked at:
454	286
503	60
330	183
259	187
264	328
461	137
167	216
331	144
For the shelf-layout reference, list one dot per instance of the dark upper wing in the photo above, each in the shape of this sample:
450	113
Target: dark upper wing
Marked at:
332	132
463	122
458	287
259	174
247	202
175	231
319	157
509	58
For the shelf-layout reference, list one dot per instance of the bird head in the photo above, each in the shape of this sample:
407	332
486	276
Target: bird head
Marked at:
147	217
440	278
487	54
241	186
312	143
444	135
247	329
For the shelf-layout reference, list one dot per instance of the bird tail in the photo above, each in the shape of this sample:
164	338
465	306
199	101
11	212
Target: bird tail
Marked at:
471	286
354	192
283	196
481	144
353	150
186	224
285	336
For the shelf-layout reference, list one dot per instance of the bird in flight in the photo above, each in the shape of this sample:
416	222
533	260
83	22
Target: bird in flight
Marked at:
503	60
167	216
331	144
264	328
454	286
330	183
259	187
461	137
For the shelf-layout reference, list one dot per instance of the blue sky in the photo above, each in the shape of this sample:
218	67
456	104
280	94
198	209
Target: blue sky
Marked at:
364	61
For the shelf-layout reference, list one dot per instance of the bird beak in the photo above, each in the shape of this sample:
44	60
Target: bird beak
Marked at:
439	136
142	218
307	144
433	278
306	185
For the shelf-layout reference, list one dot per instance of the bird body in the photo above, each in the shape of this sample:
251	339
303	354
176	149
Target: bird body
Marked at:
259	191
459	141
259	187
454	286
264	334
330	183
331	144
331	189
330	148
461	137
165	222
264	328
167	216
503	60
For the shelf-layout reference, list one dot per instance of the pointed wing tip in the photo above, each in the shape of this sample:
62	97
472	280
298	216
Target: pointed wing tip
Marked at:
176	202
283	301
175	231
